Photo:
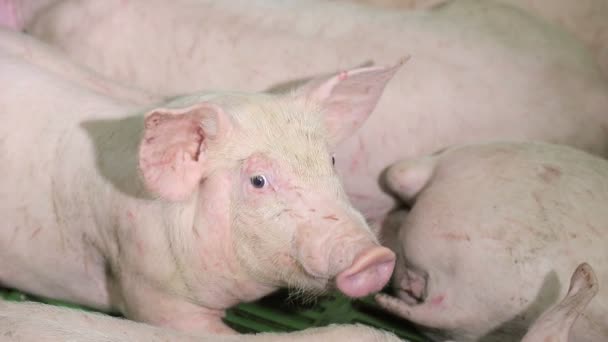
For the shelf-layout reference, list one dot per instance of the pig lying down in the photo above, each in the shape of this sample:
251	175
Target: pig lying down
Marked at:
170	215
478	70
35	52
492	237
38	322
33	322
586	19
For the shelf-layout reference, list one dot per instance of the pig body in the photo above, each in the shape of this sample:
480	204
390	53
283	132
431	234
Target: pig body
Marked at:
172	214
34	322
584	18
492	237
477	71
50	59
38	322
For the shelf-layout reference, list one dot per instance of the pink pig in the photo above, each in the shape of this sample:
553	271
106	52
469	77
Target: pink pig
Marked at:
493	235
478	70
172	214
586	19
35	322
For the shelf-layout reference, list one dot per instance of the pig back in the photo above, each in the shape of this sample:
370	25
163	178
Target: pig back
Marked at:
504	225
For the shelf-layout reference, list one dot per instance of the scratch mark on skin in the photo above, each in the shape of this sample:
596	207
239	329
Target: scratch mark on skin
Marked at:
331	217
359	158
35	233
455	236
195	231
437	300
549	173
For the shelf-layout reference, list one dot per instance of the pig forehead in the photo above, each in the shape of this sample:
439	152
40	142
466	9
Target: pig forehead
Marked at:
285	130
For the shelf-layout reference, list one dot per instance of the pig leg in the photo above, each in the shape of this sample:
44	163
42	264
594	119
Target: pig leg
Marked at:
555	324
157	308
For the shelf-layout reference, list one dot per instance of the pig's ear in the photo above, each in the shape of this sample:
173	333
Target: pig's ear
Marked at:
348	98
173	150
407	178
555	324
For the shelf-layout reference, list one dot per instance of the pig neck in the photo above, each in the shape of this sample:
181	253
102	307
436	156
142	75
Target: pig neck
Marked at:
180	252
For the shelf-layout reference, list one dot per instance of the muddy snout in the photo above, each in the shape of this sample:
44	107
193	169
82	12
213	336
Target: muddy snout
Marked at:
369	273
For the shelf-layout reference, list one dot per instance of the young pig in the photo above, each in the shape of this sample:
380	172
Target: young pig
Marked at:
493	235
477	71
173	216
33	322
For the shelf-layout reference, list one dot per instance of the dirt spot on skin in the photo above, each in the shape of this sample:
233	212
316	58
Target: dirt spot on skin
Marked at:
549	173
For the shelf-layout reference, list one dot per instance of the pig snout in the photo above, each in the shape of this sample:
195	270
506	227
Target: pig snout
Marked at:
369	272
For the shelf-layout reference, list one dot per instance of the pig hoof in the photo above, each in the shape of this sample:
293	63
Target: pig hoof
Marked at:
370	271
9	15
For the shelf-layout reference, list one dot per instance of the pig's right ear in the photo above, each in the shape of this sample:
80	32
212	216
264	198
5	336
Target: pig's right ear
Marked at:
348	98
407	178
173	150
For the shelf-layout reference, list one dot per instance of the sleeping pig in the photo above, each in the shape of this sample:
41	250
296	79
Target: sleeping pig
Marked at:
492	237
171	214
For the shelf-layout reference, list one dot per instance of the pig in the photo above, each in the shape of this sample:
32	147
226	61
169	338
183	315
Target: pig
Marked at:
171	213
36	322
50	59
555	324
31	321
586	19
478	70
492	235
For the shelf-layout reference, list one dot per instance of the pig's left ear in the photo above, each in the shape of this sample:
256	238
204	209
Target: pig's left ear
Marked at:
407	178
173	151
348	98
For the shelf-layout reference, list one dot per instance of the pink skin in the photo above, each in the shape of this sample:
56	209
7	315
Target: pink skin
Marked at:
30	321
555	324
586	19
462	51
157	215
491	238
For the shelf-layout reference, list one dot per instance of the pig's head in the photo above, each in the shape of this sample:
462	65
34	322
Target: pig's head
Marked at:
259	169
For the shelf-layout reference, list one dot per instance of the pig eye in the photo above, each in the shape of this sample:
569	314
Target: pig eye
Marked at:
333	160
258	181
